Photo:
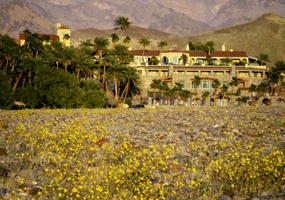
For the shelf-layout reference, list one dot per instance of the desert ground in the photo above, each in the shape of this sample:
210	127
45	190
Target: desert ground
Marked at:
162	153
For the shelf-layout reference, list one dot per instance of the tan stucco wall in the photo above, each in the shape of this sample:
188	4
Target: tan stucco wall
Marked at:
61	33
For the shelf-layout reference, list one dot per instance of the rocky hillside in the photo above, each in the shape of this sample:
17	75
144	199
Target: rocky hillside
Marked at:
236	12
264	35
18	16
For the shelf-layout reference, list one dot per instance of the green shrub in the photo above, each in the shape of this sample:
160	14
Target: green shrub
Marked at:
6	94
129	101
93	97
29	95
58	89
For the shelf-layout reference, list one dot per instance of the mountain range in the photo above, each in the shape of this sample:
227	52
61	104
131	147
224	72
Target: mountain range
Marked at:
179	17
263	35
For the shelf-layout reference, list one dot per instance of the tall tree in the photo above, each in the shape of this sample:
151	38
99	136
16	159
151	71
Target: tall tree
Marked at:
177	88
46	38
115	39
261	88
185	95
184	58
122	23
155	85
153	61
127	40
163	87
101	44
227	60
252	89
205	95
224	89
144	42
161	45
273	78
209	59
216	84
196	81
263	58
233	83
210	46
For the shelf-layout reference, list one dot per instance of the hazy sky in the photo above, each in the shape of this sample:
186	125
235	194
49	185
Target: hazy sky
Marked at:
6	1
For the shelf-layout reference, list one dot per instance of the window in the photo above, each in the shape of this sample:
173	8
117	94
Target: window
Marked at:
183	84
204	85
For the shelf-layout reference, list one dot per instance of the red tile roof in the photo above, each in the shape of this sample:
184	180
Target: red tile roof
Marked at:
52	36
18	41
241	80
166	79
146	53
63	27
191	53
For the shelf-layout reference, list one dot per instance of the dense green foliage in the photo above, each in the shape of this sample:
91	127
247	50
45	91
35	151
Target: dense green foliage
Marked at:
6	94
49	74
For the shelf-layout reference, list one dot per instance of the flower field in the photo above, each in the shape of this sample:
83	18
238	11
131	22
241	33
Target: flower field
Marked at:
193	153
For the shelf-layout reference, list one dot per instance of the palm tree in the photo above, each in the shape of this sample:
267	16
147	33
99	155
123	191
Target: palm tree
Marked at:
184	58
185	95
252	89
169	93
216	84
263	58
122	23
144	42
273	77
209	59
280	68
224	89
127	40
46	38
163	87
177	88
67	54
261	88
227	60
196	81
117	73
153	61
115	38
132	78
107	61
155	85
210	46
66	37
100	44
120	51
233	84
161	44
205	95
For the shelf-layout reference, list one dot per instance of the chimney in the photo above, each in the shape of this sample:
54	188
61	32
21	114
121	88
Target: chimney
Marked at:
187	47
58	25
223	48
233	70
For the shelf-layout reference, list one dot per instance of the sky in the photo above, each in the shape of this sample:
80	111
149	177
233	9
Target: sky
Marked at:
6	1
